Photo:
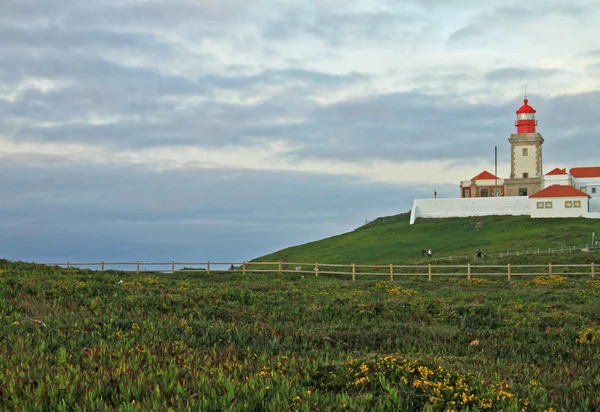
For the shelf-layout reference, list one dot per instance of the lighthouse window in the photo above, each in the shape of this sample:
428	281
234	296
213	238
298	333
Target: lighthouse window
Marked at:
525	152
525	116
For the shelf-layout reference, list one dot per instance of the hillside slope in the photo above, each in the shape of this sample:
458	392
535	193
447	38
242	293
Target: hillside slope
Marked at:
393	240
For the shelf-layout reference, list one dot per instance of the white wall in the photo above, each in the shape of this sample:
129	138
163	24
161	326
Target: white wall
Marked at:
475	206
594	205
526	164
558	207
589	183
550	180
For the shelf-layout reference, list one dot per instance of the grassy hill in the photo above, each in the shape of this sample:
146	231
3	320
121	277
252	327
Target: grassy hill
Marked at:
392	240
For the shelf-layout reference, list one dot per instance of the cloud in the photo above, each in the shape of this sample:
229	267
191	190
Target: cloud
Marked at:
520	73
176	214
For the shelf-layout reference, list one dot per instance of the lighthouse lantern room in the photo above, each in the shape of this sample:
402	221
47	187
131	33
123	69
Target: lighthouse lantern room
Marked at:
526	122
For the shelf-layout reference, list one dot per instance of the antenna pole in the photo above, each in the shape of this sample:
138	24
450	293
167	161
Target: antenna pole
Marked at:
496	171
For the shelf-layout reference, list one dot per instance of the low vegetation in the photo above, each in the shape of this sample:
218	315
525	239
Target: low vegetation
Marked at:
74	339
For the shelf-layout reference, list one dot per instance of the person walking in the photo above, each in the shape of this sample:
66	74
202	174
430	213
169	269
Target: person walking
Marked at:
429	252
423	252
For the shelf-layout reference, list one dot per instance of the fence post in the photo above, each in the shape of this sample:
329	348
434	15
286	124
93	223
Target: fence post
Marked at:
316	269
173	267
353	272
208	267
103	266
279	267
137	267
391	272
469	272
243	268
550	269
509	272
593	271
429	271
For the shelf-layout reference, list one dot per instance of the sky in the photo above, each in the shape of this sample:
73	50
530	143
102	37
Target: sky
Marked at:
195	130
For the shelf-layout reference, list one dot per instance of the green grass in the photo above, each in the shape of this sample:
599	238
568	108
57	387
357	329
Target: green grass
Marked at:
76	339
393	240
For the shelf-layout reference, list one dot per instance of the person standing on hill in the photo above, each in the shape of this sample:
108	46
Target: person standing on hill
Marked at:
429	252
423	252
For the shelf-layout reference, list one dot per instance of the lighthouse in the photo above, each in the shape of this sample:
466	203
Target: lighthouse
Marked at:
525	155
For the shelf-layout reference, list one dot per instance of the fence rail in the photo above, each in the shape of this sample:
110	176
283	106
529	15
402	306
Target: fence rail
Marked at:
352	270
537	251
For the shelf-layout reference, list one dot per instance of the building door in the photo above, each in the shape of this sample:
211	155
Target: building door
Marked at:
484	192
522	191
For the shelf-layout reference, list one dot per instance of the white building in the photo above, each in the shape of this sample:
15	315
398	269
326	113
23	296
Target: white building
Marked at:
559	201
587	179
557	177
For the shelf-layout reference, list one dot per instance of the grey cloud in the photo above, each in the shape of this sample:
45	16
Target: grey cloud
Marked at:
110	12
593	69
83	40
519	73
570	127
505	19
341	27
68	211
466	33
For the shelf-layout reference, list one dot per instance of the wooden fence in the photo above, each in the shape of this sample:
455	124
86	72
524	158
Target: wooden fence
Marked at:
352	270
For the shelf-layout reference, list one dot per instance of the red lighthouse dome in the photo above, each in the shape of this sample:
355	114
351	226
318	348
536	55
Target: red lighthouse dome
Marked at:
526	122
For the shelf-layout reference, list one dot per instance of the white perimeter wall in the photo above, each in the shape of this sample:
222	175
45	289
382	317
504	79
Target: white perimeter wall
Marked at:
594	205
479	206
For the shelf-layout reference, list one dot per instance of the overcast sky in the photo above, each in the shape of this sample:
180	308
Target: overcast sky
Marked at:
227	129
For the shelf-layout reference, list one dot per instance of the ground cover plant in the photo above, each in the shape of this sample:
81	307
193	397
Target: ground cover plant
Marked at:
73	338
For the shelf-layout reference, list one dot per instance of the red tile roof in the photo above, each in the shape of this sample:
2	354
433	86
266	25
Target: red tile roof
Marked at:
585	171
560	191
557	171
485	175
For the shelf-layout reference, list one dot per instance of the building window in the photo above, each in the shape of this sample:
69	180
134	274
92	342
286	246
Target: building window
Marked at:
484	193
577	203
525	175
540	205
522	191
568	203
467	193
525	152
548	205
593	190
584	189
498	193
